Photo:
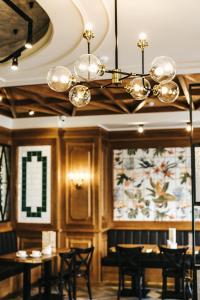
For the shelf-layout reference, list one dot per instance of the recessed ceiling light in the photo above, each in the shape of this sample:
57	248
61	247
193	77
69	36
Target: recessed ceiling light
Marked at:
151	103
140	129
188	127
31	112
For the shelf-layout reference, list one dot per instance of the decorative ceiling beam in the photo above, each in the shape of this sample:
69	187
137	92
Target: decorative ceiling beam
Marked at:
105	106
44	90
110	96
42	101
139	106
52	108
10	97
189	77
6	113
74	110
179	106
36	108
197	106
185	89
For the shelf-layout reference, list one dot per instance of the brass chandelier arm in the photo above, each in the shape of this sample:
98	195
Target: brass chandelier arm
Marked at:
126	73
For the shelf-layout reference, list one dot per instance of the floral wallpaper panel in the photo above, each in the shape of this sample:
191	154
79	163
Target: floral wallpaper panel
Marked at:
152	184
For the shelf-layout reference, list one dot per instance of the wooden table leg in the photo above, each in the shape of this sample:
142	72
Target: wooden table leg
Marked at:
47	275
27	282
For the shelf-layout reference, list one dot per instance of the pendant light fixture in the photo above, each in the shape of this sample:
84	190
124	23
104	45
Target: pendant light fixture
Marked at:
88	68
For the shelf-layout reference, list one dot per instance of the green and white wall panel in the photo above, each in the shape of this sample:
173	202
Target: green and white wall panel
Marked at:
34	184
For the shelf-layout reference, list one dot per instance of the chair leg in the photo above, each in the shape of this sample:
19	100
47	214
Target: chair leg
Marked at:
119	286
139	279
143	281
164	287
60	287
88	286
184	288
74	287
69	290
177	285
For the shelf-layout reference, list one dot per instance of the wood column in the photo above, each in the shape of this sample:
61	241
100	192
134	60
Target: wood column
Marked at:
84	210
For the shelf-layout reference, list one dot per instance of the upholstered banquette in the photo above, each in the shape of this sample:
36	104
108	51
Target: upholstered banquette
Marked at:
152	237
8	244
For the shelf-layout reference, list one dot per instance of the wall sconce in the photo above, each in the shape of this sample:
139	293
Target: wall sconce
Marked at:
78	178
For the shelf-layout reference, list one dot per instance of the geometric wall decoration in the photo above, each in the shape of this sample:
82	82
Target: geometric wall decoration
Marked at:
152	184
34	184
4	183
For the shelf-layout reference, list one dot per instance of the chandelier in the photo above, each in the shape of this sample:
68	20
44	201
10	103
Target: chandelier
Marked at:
89	68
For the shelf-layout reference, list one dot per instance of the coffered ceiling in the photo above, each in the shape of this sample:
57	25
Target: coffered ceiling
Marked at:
18	101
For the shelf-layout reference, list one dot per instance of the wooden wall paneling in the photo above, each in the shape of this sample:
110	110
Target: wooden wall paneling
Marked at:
5	136
8	286
29	239
85	240
105	185
80	201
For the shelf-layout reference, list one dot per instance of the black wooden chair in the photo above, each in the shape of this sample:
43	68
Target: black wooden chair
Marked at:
129	262
82	262
65	277
174	266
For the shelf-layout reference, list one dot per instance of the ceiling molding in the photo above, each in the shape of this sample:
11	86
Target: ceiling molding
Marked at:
120	122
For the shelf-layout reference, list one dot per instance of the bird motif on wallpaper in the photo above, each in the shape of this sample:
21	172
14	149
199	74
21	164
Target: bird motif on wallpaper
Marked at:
159	193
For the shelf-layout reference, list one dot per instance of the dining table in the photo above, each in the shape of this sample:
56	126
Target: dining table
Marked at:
152	259
28	263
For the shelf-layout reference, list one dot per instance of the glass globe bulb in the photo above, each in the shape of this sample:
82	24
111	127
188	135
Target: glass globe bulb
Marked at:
168	92
139	88
87	67
79	95
59	78
163	69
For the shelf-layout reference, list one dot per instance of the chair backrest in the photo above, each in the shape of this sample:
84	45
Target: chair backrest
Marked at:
173	258
67	263
83	258
129	257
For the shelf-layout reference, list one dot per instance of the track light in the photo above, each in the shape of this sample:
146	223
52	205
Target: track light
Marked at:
31	112
188	127
140	129
14	66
